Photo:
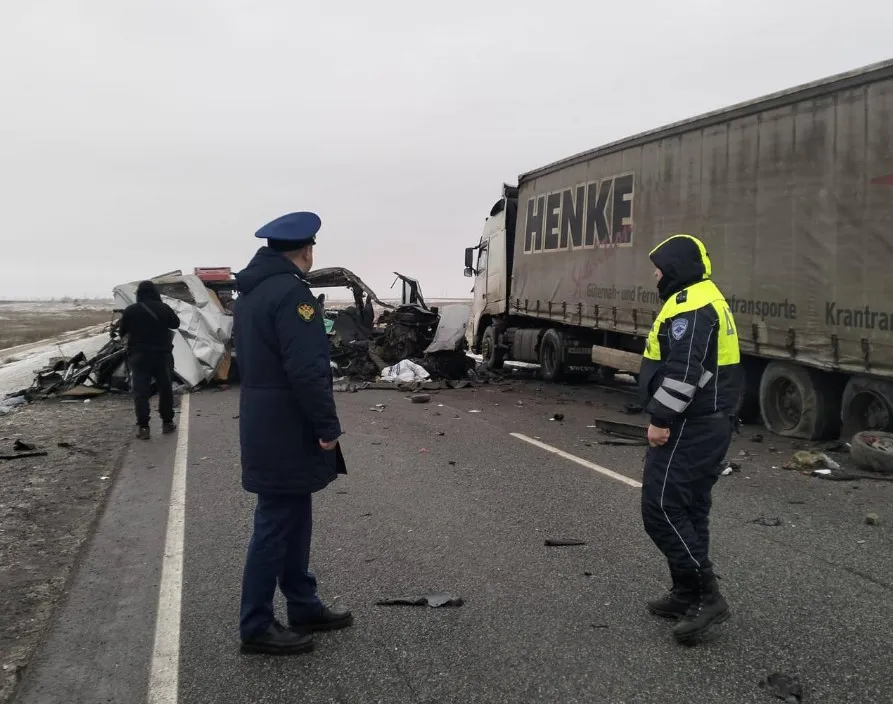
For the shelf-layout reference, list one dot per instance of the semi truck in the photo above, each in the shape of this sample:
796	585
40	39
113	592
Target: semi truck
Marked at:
792	194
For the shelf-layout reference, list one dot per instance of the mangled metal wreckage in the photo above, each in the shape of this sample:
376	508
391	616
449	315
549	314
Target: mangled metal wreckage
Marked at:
202	344
368	346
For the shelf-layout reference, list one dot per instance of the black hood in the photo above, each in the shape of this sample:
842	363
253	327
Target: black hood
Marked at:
146	292
263	265
683	261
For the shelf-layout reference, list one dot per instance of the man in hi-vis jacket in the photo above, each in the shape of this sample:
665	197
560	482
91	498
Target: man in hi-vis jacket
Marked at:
690	382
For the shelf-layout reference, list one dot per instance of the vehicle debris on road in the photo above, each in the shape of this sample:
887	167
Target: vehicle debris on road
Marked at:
563	542
434	600
22	449
768	522
782	686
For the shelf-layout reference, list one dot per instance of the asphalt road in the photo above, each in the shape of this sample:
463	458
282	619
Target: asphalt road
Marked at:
440	498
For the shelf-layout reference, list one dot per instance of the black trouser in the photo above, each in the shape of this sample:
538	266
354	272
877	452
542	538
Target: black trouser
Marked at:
144	367
676	486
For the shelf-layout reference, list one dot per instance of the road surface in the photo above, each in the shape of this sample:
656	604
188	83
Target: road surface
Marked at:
439	497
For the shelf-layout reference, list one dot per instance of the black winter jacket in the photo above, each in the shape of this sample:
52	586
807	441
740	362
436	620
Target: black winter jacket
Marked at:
148	323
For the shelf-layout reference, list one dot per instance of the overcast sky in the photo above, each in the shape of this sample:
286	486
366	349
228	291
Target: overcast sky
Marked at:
142	136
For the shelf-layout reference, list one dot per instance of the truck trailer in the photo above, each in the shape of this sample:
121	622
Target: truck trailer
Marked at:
792	194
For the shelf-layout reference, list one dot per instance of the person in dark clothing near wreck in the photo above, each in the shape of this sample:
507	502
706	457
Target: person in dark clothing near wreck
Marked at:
148	325
288	431
690	382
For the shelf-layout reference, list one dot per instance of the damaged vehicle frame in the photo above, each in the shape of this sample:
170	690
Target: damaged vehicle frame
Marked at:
364	344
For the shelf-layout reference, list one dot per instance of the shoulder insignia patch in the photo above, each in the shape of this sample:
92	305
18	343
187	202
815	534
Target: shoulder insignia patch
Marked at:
678	328
307	312
682	296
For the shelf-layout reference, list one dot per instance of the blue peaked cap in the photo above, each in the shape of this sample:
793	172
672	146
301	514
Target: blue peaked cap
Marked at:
294	227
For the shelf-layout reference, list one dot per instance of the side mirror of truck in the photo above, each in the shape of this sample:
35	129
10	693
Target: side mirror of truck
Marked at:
469	272
469	259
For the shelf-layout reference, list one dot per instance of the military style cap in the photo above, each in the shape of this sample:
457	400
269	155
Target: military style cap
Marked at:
294	230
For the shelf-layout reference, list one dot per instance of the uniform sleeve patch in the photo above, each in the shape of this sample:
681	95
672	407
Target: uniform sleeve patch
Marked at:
678	328
306	312
682	296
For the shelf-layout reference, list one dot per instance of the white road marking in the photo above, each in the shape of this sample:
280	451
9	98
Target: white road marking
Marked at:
579	460
164	677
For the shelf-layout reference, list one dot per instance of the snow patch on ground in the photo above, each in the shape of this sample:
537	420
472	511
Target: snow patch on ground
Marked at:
18	374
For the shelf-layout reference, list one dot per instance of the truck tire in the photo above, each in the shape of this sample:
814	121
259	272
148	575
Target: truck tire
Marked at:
552	356
867	405
873	451
798	402
493	355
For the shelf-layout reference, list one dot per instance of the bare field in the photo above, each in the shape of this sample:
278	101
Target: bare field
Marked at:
25	322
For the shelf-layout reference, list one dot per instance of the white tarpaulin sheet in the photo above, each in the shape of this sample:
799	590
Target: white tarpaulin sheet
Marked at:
200	343
405	371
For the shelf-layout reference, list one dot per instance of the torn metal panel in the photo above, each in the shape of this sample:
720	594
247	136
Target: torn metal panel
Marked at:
450	332
202	341
335	277
412	291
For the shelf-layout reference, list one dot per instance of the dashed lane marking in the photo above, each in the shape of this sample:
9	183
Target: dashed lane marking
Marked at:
579	460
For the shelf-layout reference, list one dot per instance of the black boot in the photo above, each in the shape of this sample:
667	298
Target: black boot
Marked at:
329	619
168	427
676	603
707	607
278	640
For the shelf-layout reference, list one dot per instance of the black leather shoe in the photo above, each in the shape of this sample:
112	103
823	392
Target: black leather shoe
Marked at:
143	433
278	640
168	428
329	620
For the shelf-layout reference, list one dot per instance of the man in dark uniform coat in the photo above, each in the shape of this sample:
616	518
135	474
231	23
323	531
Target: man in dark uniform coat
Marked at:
690	382
289	430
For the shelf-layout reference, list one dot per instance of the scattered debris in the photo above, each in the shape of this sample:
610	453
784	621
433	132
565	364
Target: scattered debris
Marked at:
807	461
633	409
557	416
768	522
424	451
434	600
619	442
563	542
451	463
782	686
728	467
420	398
757	437
624	430
587	574
872	519
598	625
378	408
23	449
476	411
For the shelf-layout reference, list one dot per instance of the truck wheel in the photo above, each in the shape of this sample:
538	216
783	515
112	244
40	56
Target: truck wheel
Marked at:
490	351
873	451
867	404
798	402
552	356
